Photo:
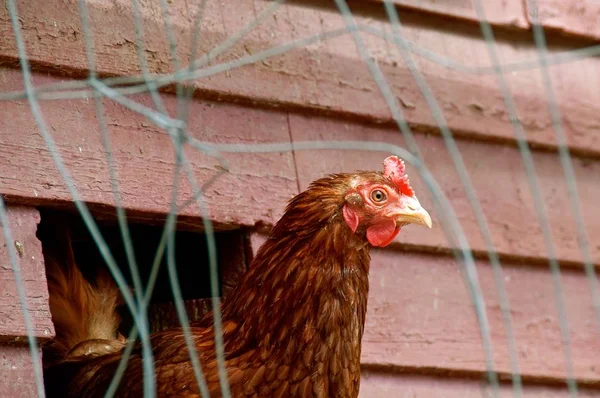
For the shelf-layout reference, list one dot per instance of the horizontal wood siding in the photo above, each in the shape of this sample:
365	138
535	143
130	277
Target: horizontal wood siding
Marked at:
143	160
258	185
422	337
510	13
23	224
16	362
16	371
375	384
331	76
578	17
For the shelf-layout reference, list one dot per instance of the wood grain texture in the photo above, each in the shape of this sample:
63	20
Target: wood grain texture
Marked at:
420	317
506	13
17	379
413	386
255	189
574	17
23	224
497	174
330	76
258	185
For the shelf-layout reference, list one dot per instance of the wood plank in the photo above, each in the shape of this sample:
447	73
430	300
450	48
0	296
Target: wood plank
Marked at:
16	371
255	189
497	174
330	76
259	185
23	224
375	384
509	14
420	317
578	17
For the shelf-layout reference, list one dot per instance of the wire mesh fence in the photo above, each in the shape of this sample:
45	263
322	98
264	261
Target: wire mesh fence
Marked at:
203	65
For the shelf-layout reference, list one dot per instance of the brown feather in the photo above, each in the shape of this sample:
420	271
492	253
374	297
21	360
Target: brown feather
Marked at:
292	328
84	316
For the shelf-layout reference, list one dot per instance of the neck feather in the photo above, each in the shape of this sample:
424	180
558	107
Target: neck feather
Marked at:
310	277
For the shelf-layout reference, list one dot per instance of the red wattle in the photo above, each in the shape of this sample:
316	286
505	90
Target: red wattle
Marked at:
382	234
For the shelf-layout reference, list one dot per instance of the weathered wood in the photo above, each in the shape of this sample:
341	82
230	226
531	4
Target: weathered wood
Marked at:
256	187
575	17
16	371
506	13
23	224
420	316
329	76
497	174
377	385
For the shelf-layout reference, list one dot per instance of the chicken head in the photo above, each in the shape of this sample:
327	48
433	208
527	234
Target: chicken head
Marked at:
379	208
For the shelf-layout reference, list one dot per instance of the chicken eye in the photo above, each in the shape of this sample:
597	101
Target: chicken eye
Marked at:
378	196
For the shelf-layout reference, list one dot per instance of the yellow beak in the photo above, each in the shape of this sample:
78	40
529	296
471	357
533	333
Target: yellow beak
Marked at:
412	213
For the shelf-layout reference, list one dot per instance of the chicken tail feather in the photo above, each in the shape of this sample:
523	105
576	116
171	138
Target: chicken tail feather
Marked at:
84	315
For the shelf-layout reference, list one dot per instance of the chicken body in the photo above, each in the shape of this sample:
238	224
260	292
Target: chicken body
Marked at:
294	325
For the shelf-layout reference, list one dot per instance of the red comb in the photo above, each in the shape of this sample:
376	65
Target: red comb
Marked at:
394	169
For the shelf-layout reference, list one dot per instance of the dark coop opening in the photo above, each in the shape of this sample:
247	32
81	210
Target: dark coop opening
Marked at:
191	259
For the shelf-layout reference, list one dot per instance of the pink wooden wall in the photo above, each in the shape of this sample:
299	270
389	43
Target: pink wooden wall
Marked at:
422	338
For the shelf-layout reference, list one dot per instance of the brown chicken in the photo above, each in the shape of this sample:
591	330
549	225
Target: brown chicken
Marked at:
292	328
